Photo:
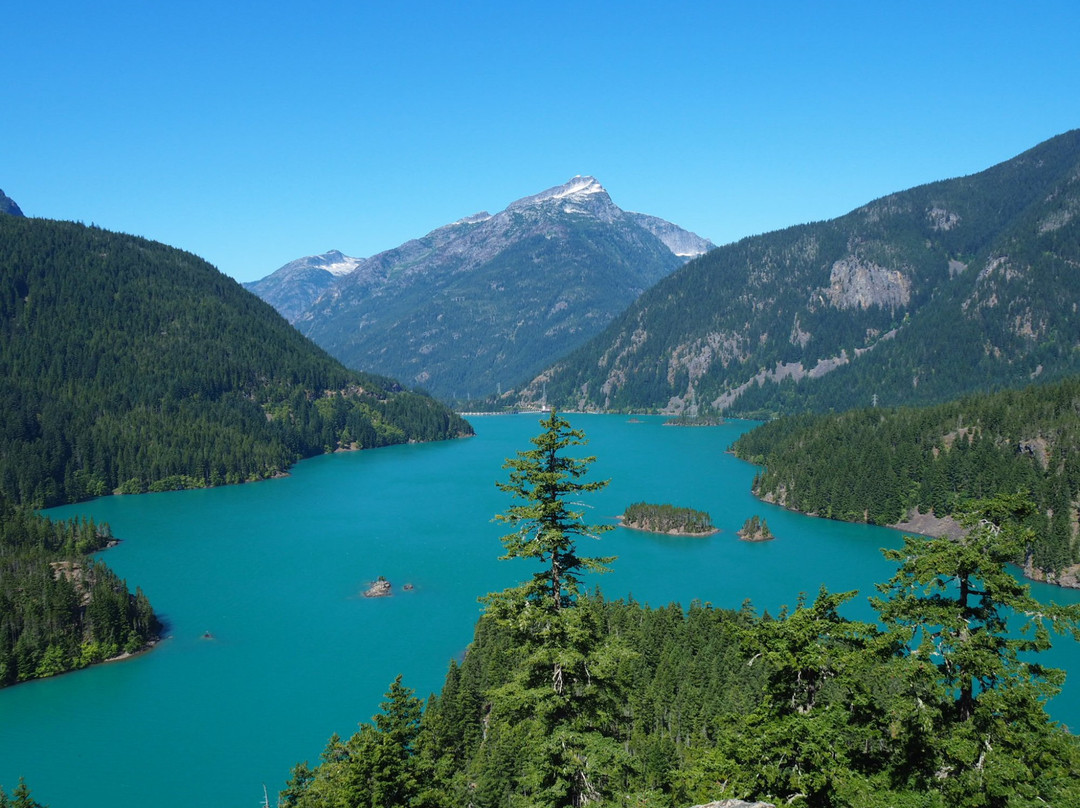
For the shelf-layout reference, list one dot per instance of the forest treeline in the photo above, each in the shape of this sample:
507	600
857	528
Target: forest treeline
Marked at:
876	465
131	366
568	699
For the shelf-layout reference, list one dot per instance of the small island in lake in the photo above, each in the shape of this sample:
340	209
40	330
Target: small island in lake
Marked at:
379	588
667	519
694	420
755	529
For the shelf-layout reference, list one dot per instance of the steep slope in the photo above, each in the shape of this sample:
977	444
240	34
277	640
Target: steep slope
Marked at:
7	205
956	286
131	365
487	301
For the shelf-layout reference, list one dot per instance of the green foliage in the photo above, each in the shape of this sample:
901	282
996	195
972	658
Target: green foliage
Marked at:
877	465
548	525
60	610
20	798
809	708
755	529
560	699
951	598
376	768
667	518
133	366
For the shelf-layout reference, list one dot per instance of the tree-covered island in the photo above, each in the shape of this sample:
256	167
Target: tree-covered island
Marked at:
755	529
670	519
694	420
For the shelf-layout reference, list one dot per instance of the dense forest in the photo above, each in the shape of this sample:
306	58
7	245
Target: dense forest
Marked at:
667	518
877	465
567	699
60	610
134	366
131	366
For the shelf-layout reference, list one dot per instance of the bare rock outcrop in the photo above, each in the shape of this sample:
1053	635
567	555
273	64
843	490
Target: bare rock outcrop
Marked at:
379	588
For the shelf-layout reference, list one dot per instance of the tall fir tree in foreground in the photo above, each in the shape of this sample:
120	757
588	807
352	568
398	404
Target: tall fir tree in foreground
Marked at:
561	701
549	523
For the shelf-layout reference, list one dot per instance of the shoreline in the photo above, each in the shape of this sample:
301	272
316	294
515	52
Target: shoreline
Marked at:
713	532
123	656
923	524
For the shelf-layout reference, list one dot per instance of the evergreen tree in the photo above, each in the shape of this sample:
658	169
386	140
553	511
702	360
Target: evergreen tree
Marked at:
949	605
376	768
560	698
548	525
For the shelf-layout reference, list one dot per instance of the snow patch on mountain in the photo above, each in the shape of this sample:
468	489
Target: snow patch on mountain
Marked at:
333	262
476	218
579	189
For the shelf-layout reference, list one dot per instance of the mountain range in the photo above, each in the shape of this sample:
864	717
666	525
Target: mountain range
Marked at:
487	301
957	286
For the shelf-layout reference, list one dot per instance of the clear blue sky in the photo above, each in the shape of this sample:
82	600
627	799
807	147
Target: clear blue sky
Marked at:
253	133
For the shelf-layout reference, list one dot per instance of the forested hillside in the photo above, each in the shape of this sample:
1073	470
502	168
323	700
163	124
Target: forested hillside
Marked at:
135	366
131	366
958	286
564	699
877	465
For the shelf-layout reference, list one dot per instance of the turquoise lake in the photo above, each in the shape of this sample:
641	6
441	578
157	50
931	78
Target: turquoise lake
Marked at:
275	571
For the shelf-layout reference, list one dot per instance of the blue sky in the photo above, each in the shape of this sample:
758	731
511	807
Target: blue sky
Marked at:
253	133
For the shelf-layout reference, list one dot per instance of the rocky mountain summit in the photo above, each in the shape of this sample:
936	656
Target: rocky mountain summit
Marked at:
298	284
484	302
7	205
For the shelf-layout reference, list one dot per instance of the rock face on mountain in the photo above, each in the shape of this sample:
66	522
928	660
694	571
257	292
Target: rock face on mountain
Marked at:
681	242
7	205
957	286
485	302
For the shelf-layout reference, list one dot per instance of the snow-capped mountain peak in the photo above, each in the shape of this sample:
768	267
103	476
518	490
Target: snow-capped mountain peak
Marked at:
578	190
334	262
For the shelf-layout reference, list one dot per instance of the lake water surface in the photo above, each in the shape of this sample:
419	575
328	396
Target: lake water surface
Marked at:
275	571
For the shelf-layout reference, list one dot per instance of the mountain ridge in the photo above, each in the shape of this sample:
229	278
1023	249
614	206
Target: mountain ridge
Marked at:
953	286
489	299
